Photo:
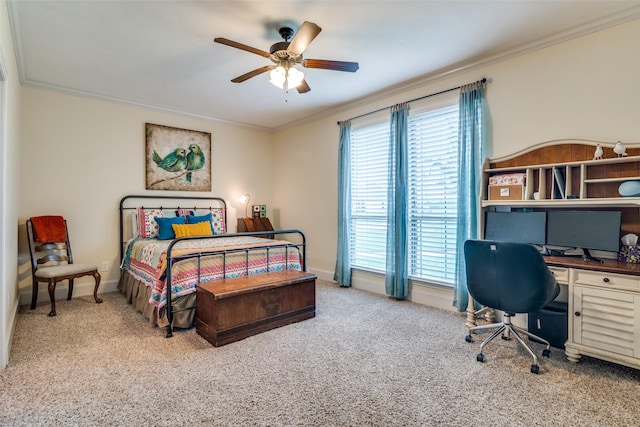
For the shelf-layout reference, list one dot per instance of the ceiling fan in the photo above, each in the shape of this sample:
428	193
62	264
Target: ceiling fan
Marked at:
286	55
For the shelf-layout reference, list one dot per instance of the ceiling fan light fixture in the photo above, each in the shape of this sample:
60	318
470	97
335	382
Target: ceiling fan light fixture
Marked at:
281	76
294	78
278	76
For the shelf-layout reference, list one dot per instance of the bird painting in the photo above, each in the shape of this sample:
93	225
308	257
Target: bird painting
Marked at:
619	149
173	162
176	159
598	154
195	159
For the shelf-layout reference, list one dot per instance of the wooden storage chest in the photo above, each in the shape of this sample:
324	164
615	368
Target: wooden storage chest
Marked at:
232	309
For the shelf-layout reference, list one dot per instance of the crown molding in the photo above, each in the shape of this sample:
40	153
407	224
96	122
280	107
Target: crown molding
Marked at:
445	74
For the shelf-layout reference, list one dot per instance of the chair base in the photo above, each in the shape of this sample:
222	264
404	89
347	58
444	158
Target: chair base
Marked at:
51	285
506	328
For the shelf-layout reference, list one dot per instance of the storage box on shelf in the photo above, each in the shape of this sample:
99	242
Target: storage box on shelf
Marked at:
508	186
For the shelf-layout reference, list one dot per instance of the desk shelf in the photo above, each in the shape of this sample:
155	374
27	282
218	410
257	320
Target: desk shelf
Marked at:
578	175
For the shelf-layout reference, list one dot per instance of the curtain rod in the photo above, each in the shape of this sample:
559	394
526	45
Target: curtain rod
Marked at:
484	80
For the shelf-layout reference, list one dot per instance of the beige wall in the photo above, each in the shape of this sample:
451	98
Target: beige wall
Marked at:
588	87
9	191
80	156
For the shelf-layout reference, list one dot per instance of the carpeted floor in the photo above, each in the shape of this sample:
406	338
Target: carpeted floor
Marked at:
364	360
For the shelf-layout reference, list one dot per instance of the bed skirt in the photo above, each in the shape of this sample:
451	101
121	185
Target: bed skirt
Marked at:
138	294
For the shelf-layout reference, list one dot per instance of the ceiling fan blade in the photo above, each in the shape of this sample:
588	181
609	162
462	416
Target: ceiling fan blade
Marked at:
305	35
303	87
253	73
241	46
351	67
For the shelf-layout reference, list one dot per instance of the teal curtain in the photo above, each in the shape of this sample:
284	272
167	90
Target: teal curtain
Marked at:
342	273
396	276
470	157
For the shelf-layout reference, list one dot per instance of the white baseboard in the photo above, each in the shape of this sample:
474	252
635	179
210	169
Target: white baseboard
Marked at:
426	295
422	294
11	328
322	274
79	290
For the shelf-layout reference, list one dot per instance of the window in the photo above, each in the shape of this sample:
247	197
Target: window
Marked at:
433	179
369	153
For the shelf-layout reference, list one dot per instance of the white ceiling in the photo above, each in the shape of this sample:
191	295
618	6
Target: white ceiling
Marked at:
161	54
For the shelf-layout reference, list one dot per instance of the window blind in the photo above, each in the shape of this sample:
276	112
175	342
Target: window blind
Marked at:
433	181
369	154
432	190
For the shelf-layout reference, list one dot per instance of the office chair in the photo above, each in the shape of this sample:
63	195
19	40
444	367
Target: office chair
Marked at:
52	260
513	278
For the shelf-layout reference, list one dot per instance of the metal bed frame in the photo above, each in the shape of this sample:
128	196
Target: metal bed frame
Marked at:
171	259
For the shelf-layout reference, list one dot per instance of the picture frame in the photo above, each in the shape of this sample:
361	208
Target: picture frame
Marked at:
177	159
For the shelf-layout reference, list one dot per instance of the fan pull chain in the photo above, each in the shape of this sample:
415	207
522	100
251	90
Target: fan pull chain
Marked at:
286	86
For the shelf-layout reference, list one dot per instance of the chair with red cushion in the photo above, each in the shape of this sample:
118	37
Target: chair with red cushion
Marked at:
51	258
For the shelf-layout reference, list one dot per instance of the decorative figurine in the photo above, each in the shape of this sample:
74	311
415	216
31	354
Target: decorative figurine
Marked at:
598	154
619	149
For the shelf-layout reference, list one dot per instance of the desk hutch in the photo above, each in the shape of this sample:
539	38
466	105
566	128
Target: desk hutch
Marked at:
603	298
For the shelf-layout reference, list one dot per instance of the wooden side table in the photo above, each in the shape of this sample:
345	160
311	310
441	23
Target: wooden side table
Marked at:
246	225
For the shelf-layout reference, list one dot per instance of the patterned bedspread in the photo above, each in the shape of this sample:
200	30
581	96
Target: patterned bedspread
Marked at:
146	260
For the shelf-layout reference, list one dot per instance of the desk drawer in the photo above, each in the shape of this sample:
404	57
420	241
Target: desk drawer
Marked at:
606	280
561	274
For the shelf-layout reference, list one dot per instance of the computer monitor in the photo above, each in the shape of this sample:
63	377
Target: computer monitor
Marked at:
598	230
516	227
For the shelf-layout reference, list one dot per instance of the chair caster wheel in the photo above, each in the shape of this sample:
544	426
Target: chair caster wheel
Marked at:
480	357
535	369
468	338
546	352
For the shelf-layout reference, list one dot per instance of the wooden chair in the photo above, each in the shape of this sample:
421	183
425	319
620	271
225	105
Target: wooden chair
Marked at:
52	262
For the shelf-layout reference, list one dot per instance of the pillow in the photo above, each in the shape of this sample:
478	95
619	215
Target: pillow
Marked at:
218	221
191	219
184	212
198	229
147	227
165	231
134	224
217	218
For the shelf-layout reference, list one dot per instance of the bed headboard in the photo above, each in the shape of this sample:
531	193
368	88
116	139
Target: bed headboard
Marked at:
130	204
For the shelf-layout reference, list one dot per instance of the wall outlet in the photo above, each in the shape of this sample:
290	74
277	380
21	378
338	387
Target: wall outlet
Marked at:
105	266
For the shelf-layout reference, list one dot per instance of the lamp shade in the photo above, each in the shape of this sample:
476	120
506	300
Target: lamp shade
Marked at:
295	77
278	76
245	199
